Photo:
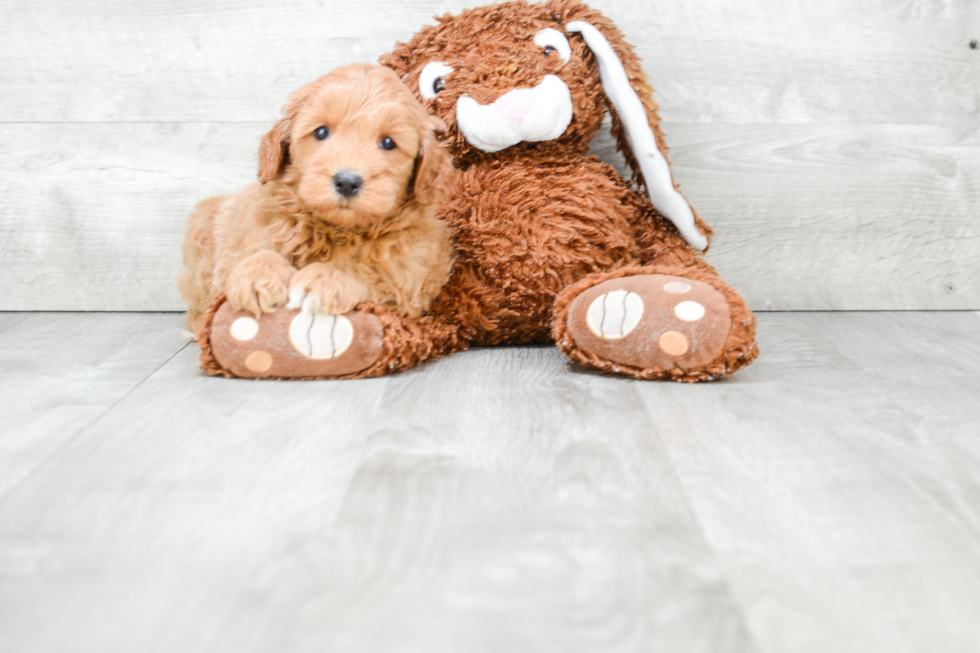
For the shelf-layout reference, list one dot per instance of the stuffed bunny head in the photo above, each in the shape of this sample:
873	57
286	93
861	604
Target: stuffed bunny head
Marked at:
506	78
515	80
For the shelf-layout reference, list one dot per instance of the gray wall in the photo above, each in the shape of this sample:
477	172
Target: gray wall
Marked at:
832	145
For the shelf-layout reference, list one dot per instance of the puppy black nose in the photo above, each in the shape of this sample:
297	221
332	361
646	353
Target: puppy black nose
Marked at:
347	183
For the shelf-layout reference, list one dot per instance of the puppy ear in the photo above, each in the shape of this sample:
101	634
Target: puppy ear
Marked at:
433	167
636	125
274	152
274	148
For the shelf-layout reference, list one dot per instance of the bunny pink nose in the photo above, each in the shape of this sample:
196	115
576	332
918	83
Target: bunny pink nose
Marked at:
515	105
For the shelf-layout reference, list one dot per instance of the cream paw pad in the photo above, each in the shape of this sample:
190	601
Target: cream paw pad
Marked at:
651	320
290	343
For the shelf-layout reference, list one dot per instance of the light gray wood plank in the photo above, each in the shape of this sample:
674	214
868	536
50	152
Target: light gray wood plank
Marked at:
94	214
504	499
480	503
60	371
833	62
10	320
839	217
837	480
832	145
717	61
833	217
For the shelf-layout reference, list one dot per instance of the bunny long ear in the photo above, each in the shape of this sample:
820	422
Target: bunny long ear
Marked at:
642	143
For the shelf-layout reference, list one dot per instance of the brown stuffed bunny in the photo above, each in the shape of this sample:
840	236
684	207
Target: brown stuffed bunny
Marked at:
551	243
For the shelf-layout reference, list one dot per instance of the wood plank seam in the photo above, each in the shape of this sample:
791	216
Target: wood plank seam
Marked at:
733	598
11	490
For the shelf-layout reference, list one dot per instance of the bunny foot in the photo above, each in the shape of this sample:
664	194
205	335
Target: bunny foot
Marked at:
655	326
291	344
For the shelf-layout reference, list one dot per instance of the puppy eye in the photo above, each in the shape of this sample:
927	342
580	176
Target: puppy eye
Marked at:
387	143
321	133
431	79
548	50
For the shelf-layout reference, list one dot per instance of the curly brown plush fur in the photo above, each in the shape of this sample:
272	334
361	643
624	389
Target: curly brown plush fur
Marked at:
536	224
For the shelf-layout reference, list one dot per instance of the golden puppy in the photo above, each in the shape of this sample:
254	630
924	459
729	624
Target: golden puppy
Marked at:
350	180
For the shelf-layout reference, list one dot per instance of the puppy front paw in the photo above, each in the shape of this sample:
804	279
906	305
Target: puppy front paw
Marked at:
321	288
260	283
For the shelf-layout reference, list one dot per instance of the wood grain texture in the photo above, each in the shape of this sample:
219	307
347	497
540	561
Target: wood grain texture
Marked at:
832	145
824	499
720	61
837	480
839	217
94	214
479	504
59	372
807	217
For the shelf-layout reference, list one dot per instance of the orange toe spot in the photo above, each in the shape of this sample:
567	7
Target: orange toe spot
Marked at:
674	343
260	361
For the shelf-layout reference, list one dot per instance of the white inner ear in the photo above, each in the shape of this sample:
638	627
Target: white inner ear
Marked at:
656	172
432	71
555	39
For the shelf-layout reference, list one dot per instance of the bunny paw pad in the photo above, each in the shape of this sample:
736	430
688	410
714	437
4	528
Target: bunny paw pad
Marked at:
294	343
651	321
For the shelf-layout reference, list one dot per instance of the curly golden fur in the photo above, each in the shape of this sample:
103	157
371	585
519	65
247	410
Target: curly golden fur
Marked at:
295	234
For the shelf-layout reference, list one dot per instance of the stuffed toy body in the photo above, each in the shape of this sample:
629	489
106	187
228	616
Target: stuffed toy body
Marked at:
552	245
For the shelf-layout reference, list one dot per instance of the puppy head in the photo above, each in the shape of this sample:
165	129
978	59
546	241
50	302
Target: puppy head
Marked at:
355	144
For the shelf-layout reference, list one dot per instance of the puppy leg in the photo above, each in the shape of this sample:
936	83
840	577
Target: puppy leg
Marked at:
259	283
322	288
195	282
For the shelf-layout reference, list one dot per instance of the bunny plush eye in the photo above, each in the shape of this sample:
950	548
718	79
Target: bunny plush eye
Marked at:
431	79
552	41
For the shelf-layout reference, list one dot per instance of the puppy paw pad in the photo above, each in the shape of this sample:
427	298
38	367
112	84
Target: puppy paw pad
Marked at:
320	336
615	314
689	311
244	328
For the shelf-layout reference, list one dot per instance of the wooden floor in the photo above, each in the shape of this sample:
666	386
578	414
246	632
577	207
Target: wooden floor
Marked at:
826	499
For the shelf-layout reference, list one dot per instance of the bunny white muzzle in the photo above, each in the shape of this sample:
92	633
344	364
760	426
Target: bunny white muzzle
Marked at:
534	114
